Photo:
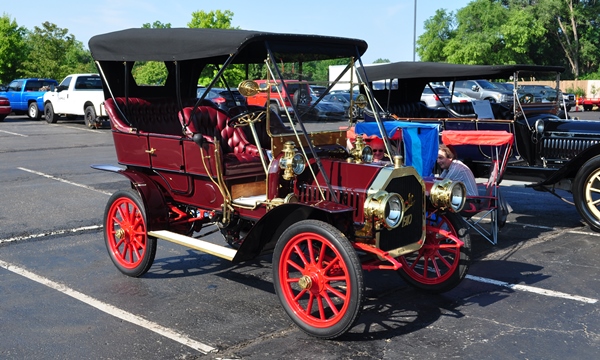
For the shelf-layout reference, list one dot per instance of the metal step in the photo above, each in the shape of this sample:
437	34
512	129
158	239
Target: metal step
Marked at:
223	252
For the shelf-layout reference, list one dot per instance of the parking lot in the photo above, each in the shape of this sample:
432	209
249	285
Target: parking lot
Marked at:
533	296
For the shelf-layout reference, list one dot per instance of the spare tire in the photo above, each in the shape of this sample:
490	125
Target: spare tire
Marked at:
301	97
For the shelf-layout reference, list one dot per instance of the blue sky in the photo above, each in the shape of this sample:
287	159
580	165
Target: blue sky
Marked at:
386	25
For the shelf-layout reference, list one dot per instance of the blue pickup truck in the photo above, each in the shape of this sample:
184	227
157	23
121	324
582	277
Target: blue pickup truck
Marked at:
27	95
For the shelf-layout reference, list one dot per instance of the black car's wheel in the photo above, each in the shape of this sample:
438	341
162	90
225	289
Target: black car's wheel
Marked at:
318	278
125	234
441	263
49	114
33	112
90	117
586	192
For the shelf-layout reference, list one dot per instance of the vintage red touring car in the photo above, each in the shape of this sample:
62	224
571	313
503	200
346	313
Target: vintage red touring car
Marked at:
326	213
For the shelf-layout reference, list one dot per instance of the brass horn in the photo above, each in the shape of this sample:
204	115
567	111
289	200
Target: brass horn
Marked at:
248	88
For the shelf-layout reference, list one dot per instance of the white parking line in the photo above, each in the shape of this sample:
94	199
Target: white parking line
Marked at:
63	180
13	133
112	310
51	233
533	289
78	128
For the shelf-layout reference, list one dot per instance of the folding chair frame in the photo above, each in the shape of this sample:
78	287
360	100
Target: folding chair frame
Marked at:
488	205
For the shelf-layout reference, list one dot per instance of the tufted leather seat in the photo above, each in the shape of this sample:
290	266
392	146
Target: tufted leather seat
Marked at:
152	115
240	156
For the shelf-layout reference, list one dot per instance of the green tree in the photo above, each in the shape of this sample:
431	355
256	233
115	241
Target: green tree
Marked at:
216	19
54	53
151	72
439	29
381	61
12	48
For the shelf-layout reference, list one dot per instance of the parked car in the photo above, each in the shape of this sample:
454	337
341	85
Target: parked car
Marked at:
344	96
323	109
5	108
317	90
484	90
552	153
294	91
222	98
26	95
435	96
77	95
326	213
458	97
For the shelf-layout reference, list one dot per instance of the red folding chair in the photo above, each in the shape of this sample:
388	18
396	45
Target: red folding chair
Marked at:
485	213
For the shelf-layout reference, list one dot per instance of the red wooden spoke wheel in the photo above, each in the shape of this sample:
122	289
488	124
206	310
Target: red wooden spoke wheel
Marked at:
442	262
318	278
128	245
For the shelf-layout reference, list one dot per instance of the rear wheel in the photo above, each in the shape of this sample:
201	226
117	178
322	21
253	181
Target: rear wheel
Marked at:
33	112
442	262
318	278
49	114
125	234
586	192
90	117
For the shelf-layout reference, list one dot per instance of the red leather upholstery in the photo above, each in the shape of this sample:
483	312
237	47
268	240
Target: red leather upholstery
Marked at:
240	156
153	115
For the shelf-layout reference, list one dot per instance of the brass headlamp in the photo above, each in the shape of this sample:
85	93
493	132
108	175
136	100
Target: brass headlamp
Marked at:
387	209
292	163
361	151
448	195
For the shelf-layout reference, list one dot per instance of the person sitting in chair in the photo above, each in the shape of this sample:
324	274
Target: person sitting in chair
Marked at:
455	169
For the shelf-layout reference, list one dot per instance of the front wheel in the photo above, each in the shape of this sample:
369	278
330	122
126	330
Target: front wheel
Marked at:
586	192
33	112
318	278
442	262
90	117
125	234
49	114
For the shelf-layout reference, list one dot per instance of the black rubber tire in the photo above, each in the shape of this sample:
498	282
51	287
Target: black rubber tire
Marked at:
334	276
125	230
586	180
49	114
436	254
33	112
301	97
90	117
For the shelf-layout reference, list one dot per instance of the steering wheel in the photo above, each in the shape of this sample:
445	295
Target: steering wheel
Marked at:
527	98
245	118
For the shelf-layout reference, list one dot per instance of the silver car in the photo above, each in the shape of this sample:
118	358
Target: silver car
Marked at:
434	95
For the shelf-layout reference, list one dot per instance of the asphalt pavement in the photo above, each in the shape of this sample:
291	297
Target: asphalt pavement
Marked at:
534	295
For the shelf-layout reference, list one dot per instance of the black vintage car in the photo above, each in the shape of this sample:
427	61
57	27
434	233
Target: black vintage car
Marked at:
552	151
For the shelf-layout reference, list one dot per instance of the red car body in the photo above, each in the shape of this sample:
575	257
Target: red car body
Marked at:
5	108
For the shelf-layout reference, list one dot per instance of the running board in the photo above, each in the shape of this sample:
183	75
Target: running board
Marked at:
196	244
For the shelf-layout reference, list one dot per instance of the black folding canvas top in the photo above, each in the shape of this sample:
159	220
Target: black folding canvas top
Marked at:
432	71
217	44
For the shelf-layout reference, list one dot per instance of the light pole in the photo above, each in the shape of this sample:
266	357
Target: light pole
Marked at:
415	34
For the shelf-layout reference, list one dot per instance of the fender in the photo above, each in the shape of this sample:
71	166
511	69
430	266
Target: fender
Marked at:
264	234
154	201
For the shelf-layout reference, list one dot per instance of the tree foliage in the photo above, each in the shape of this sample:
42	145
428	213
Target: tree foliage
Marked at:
54	53
12	48
516	32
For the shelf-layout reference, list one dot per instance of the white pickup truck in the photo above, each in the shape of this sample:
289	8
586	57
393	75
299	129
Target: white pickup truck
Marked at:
77	95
